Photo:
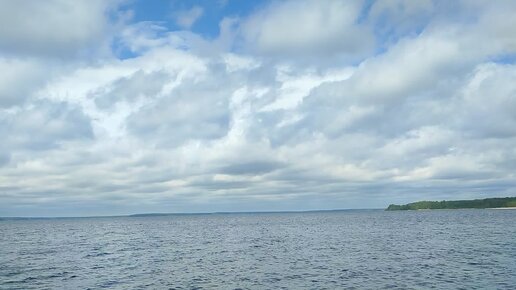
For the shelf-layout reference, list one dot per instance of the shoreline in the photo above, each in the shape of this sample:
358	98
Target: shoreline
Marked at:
494	202
501	207
465	208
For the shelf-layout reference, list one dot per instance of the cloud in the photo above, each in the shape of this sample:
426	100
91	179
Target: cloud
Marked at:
489	90
251	168
4	158
192	111
54	28
395	18
327	104
138	85
308	28
42	126
408	67
20	78
187	18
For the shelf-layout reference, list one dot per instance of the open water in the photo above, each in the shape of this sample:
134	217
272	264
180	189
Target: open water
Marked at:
369	249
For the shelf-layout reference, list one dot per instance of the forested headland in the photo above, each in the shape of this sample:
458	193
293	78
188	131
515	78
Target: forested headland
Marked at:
457	204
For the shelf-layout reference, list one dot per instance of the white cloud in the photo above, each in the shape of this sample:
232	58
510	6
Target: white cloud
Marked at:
187	18
188	124
487	103
308	28
54	28
19	78
42	125
400	17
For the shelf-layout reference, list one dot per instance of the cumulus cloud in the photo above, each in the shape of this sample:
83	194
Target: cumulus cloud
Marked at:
19	80
53	28
321	108
489	90
308	28
394	18
42	126
198	111
136	86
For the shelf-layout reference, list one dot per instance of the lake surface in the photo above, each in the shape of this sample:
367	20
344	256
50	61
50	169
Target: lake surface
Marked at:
369	249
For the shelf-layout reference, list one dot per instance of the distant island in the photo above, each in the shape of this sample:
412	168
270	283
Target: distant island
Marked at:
457	204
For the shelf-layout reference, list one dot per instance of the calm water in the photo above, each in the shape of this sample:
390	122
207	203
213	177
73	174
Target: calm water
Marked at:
461	249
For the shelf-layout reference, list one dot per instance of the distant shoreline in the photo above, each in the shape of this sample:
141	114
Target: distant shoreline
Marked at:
487	203
187	214
501	208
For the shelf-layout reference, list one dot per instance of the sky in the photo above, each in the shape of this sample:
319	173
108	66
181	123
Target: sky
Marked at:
111	107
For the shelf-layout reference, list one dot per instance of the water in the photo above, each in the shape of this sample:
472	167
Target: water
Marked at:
446	249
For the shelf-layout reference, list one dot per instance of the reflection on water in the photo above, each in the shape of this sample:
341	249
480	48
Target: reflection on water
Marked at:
472	249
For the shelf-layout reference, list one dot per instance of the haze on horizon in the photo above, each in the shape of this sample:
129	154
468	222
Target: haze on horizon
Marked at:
122	107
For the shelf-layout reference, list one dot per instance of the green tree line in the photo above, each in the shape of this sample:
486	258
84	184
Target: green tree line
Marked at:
456	204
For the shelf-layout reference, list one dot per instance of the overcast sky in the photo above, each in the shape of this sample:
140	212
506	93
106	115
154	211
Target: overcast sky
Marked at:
120	107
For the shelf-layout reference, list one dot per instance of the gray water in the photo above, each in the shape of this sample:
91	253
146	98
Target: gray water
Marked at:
443	249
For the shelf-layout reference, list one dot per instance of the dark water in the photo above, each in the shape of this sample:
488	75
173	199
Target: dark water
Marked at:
461	249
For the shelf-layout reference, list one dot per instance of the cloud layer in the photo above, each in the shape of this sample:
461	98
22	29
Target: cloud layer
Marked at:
296	105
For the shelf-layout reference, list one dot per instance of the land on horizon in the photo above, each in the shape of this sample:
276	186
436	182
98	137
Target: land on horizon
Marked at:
498	202
503	202
151	214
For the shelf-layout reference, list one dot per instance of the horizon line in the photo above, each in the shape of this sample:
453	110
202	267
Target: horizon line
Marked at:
149	214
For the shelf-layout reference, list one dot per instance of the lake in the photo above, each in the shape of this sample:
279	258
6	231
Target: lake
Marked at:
352	249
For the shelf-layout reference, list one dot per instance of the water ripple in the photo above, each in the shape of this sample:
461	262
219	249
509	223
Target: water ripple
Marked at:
469	249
